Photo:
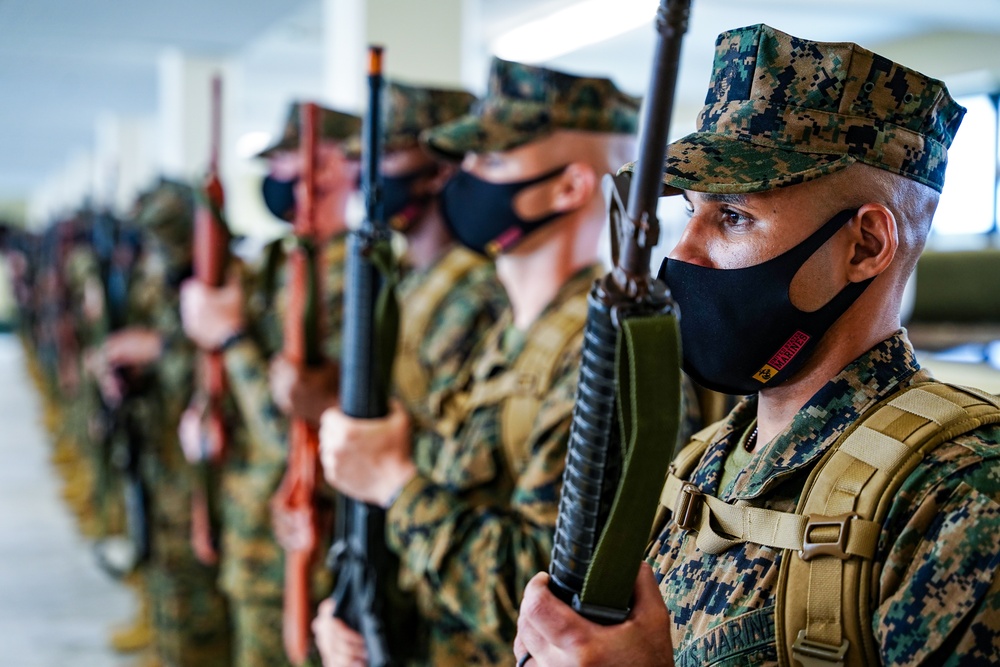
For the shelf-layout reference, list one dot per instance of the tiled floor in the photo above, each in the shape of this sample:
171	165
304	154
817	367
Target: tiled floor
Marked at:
55	605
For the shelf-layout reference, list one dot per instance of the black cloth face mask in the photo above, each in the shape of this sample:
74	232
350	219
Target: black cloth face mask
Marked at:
740	332
279	197
399	205
481	214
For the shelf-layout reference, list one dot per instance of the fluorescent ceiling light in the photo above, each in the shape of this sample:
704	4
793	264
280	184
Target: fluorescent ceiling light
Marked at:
574	27
251	143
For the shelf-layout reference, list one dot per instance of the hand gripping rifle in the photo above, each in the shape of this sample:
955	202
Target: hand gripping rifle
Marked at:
211	252
627	410
362	564
302	336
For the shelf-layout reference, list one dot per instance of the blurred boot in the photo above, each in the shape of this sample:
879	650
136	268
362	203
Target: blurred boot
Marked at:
138	635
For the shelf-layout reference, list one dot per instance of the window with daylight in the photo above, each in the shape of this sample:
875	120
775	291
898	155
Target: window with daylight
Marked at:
969	201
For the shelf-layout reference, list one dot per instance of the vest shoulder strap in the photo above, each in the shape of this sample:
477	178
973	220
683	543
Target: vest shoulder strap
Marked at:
854	484
532	377
831	539
418	309
521	389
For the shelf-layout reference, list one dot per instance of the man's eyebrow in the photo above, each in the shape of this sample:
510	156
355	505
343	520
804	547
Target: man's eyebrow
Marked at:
735	199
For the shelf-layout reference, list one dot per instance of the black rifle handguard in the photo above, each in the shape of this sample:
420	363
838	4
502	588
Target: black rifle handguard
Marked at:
594	459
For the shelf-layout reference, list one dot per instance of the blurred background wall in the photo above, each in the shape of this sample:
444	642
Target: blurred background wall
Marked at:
98	97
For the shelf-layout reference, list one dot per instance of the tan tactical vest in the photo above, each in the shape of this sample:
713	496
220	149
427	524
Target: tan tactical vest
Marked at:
521	390
419	306
831	539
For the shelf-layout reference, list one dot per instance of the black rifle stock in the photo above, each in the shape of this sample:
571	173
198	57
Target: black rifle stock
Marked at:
360	557
594	459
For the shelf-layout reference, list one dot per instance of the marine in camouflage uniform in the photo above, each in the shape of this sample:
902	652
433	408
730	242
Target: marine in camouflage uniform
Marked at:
189	614
476	517
97	271
933	600
252	569
252	561
783	112
81	277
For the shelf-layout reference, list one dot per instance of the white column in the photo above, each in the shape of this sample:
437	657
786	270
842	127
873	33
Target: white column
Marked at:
125	163
426	40
433	42
185	118
344	43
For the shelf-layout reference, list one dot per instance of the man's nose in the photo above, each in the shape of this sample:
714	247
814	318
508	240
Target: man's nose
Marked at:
691	246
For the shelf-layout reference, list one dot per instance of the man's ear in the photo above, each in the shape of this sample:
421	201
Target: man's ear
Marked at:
574	187
875	239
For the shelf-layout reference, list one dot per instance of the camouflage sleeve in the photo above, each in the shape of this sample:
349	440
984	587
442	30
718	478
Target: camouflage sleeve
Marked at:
247	371
477	557
940	587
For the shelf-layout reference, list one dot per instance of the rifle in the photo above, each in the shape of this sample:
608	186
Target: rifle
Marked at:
117	250
615	444
116	555
302	338
211	243
361	561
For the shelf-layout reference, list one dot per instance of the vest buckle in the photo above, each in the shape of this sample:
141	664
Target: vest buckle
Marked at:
811	653
837	547
689	502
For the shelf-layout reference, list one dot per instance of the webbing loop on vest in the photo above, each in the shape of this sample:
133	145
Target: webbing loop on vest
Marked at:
649	399
720	525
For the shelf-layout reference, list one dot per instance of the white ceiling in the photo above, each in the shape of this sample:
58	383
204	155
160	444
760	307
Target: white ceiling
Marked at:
64	62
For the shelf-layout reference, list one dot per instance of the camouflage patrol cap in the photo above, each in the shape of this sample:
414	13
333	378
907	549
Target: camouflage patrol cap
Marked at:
782	110
409	110
527	102
333	126
170	204
167	213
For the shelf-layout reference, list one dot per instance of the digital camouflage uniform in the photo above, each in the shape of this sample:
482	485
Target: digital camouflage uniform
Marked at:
189	613
252	566
933	599
87	272
477	521
783	110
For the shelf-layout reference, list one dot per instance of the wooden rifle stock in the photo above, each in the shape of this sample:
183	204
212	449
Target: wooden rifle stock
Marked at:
301	347
211	252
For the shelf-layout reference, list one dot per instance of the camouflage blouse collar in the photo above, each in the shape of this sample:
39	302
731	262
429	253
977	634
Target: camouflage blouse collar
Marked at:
867	380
